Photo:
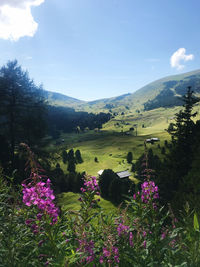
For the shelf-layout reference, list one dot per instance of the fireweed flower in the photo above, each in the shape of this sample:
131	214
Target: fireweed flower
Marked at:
149	191
144	233
90	186
131	239
87	250
41	195
122	229
163	235
101	259
110	255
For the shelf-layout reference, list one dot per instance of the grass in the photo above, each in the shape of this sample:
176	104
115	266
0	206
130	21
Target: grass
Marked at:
111	146
69	201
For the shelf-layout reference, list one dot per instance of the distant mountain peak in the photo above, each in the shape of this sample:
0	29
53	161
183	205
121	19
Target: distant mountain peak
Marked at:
58	99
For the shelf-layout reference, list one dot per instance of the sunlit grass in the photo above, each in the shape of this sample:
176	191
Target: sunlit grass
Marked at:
69	202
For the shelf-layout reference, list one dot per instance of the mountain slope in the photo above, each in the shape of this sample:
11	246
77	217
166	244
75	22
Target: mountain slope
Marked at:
57	99
165	92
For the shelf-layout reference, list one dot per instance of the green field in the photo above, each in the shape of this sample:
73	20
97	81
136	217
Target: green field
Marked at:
111	146
69	201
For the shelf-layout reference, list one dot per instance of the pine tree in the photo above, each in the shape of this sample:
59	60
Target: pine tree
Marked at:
22	107
105	180
78	156
129	157
71	166
71	155
115	190
178	162
182	135
64	156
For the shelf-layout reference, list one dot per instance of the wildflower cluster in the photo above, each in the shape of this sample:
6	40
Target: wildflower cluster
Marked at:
41	195
138	236
37	192
91	185
86	248
149	192
110	255
89	191
122	229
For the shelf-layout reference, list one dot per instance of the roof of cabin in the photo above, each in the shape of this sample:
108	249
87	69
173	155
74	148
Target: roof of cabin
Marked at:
123	174
100	172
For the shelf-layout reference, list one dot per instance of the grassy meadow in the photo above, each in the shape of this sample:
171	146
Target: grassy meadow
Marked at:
69	201
110	145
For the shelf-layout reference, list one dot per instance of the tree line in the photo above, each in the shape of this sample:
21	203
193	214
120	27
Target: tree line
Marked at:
68	120
22	111
25	115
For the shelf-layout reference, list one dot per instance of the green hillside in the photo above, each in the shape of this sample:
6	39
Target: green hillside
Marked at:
165	92
57	99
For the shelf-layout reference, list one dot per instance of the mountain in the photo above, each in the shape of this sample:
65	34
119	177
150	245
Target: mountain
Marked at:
57	99
169	91
165	92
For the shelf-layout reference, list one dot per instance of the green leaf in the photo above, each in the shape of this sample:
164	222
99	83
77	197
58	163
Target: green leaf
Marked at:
196	223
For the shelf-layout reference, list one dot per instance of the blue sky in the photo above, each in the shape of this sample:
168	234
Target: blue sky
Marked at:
91	49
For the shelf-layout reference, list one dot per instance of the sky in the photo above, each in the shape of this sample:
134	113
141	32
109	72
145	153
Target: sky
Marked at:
93	49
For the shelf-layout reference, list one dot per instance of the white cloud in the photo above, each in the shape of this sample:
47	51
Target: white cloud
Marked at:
178	56
16	20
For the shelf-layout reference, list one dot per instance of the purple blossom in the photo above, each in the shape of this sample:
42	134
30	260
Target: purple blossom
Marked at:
144	233
149	192
87	249
40	243
131	239
122	229
40	195
163	235
106	253
91	185
110	254
101	259
28	221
